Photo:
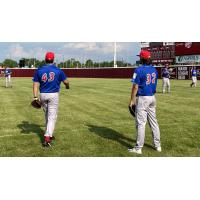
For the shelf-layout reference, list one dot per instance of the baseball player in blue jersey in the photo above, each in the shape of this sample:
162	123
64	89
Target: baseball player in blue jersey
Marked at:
166	76
194	77
48	78
142	96
7	73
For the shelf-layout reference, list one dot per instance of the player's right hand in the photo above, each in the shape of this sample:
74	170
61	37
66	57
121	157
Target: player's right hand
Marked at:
131	103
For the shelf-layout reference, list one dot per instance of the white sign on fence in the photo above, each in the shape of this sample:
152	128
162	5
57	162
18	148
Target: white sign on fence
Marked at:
182	72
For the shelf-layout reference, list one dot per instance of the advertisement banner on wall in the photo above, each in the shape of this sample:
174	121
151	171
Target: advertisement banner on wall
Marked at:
188	59
187	48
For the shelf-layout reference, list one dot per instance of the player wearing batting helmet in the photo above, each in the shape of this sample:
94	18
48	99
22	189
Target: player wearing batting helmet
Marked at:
48	78
142	96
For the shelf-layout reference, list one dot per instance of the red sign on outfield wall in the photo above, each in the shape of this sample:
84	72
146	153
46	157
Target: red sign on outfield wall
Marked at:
187	48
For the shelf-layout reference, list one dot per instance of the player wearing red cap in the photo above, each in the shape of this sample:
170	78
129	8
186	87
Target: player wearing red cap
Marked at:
142	96
49	77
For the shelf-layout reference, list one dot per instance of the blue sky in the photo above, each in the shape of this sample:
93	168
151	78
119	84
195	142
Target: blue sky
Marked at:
97	51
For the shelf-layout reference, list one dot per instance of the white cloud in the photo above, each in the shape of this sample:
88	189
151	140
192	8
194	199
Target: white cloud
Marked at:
95	47
38	53
17	51
87	46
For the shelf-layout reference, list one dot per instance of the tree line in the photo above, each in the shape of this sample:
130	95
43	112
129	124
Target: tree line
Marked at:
70	63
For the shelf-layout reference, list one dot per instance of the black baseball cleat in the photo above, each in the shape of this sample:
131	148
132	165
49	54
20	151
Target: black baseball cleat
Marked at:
46	144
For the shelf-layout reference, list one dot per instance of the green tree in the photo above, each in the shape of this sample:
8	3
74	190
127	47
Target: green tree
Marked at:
89	63
10	63
77	64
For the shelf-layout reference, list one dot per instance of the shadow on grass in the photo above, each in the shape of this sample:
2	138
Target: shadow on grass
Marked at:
114	135
27	128
111	134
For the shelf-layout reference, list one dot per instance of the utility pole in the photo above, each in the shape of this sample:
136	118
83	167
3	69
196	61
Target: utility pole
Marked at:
115	55
63	60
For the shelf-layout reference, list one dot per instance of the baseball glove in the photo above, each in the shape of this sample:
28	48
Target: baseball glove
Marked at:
36	104
132	110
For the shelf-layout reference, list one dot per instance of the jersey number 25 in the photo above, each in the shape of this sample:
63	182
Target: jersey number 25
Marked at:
151	78
51	77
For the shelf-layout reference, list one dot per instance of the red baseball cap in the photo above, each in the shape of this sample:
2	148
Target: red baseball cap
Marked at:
49	56
145	54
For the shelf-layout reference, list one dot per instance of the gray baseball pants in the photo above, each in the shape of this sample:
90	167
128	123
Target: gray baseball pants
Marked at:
166	83
146	111
50	106
194	80
8	81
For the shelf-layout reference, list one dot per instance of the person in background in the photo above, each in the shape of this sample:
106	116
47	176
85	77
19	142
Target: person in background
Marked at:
7	74
166	77
194	77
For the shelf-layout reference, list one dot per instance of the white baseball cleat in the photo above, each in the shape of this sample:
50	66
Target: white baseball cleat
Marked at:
134	150
158	149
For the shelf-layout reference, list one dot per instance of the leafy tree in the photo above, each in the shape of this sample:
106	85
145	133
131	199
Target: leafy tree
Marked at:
89	63
10	63
77	64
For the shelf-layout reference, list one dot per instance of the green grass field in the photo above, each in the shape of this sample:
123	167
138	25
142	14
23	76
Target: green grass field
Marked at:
93	120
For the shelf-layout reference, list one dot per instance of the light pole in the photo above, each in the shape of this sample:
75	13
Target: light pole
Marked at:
63	60
115	55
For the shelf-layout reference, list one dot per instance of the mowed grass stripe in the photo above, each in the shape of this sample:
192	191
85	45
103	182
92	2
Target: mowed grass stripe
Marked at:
93	120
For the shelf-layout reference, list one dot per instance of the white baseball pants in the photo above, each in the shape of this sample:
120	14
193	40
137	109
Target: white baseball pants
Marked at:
50	103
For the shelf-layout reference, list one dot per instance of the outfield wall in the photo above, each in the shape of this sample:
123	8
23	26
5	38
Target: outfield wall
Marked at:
83	73
178	72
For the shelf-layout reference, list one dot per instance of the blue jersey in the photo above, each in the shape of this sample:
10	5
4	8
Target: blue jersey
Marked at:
146	78
194	73
7	72
165	73
49	77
